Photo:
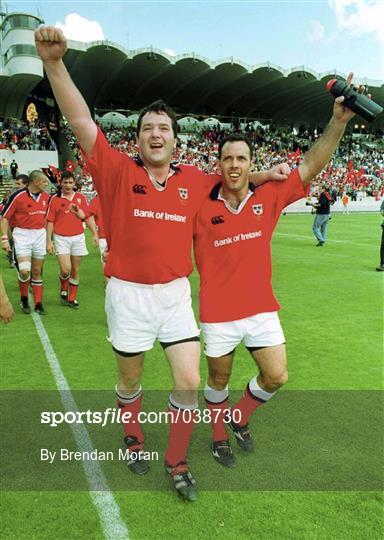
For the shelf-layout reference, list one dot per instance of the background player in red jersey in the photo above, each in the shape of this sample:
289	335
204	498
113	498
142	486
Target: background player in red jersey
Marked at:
232	236
95	211
21	181
65	216
27	209
148	208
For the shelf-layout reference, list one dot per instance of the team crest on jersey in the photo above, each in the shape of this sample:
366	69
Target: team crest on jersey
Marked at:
257	209
183	193
78	200
44	203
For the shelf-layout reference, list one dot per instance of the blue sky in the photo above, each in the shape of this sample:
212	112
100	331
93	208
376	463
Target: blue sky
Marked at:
325	34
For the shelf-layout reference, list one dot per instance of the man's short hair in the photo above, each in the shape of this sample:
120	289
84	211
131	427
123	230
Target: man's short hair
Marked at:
35	175
67	174
24	178
159	107
235	137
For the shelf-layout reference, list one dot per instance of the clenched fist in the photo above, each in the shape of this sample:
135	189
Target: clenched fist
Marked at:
51	43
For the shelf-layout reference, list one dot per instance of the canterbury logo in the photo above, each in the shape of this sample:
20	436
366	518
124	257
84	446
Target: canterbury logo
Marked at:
137	188
216	220
257	209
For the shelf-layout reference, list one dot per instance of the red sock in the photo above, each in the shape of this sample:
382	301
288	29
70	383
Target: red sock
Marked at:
246	405
73	286
37	289
64	283
24	287
180	431
131	427
218	414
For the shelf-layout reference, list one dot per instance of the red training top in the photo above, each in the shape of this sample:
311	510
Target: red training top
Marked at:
64	222
233	252
95	210
148	228
26	210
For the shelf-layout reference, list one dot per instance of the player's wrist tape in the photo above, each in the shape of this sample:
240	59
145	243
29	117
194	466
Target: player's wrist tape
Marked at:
3	238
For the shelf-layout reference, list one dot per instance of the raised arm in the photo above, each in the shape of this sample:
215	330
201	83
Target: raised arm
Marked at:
51	46
321	152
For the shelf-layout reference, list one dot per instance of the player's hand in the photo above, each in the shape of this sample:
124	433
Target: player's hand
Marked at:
280	172
341	113
50	248
6	311
75	209
5	245
95	240
104	255
51	43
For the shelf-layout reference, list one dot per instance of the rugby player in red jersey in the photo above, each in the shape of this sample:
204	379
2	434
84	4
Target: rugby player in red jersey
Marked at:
65	216
26	208
95	211
148	208
232	236
21	181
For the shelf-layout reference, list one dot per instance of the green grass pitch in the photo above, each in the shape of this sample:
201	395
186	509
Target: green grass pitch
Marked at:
332	302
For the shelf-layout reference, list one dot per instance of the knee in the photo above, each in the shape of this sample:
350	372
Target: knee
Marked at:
272	384
190	381
36	274
24	275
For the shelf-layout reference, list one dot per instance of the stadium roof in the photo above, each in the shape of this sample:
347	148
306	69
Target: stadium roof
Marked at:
112	78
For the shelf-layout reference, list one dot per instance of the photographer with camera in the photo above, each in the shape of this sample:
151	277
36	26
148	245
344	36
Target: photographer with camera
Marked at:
323	211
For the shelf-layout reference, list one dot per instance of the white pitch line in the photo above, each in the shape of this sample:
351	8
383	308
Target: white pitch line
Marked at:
112	523
331	241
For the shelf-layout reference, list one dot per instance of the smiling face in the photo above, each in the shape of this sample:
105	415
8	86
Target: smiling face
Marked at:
156	139
235	165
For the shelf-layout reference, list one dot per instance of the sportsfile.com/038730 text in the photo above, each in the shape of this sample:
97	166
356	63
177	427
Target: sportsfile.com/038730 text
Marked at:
115	416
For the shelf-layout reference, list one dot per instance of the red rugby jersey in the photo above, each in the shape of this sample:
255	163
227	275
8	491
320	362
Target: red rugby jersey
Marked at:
149	232
233	252
26	212
95	211
64	222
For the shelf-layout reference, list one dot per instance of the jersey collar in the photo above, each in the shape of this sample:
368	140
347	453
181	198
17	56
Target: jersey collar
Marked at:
216	196
173	169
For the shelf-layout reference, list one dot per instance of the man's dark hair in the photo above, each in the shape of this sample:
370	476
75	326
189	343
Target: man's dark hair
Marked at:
159	107
67	174
24	178
235	137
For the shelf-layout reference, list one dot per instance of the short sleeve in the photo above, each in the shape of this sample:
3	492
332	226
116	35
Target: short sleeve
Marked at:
290	190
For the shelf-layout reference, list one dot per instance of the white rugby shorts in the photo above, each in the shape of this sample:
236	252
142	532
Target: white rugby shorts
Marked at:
30	242
138	314
261	330
70	245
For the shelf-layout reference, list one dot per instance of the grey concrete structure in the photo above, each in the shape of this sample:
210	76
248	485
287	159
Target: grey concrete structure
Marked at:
112	77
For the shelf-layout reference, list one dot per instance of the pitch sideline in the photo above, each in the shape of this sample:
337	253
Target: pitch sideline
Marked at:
107	508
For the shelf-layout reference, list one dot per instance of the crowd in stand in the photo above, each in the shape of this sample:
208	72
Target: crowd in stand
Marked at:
356	169
18	135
